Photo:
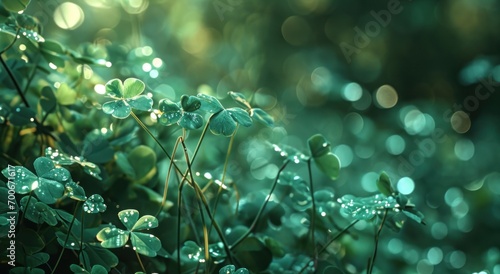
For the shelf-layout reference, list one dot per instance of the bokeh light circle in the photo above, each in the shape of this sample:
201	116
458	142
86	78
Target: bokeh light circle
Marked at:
386	96
68	16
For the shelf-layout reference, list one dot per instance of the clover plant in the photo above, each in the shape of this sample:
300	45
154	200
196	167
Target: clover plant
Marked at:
68	135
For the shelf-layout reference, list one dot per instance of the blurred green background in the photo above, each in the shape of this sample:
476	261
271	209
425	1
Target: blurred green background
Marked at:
409	87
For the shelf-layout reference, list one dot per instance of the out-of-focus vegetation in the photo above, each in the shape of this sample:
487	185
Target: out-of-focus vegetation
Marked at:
405	87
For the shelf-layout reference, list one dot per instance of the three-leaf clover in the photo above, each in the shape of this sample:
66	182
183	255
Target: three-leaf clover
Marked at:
94	204
182	113
127	97
256	113
223	121
48	183
143	243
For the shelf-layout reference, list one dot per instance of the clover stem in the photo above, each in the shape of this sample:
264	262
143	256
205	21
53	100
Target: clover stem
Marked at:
167	180
81	238
229	149
150	134
371	262
201	197
67	238
202	137
329	243
256	220
140	262
313	215
14	81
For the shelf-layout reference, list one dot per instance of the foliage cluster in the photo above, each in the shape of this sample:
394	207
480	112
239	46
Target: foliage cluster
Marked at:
109	178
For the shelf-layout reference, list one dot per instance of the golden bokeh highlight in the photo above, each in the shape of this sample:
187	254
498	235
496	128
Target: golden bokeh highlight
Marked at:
460	121
386	96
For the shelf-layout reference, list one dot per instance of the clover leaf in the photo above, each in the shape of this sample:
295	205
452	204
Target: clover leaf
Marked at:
48	183
181	113
223	121
38	212
257	113
326	161
144	243
94	204
61	158
127	97
367	207
231	269
75	191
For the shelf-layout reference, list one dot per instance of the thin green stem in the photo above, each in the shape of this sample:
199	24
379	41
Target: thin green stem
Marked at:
152	136
329	243
261	210
371	262
313	215
14	81
201	197
67	238
140	262
167	180
224	170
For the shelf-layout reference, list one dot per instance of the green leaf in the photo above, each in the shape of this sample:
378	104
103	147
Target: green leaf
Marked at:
253	253
171	112
99	269
23	178
92	169
240	116
396	221
124	164
93	255
96	149
118	109
262	117
15	5
78	269
22	116
128	218
52	46
46	213
26	270
114	88
145	222
66	95
228	269
318	145
209	103
329	164
191	253
191	120
414	214
144	159
141	102
132	87
240	99
384	184
48	100
231	269
54	58
190	103
275	247
94	204
72	241
222	123
368	207
37	259
32	242
112	237
145	244
75	191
